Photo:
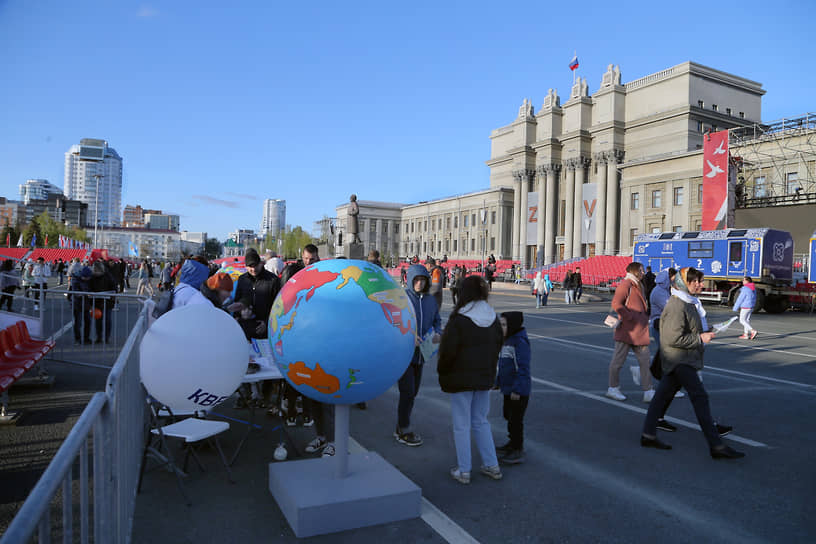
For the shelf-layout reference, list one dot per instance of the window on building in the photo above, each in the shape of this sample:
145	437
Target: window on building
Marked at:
439	224
466	220
700	104
742	115
447	245
473	244
473	219
412	227
714	107
456	222
439	245
760	189
700	194
677	228
447	222
385	227
493	218
425	226
396	228
678	196
792	183
454	246
492	243
632	235
635	201
699	126
728	111
372	226
657	198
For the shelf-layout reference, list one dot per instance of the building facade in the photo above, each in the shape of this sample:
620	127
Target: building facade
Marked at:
93	175
274	217
12	212
193	243
161	221
151	244
37	189
72	213
599	168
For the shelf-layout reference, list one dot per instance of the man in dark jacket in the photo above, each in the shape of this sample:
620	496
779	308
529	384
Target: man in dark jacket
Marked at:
102	281
577	285
254	295
80	281
428	322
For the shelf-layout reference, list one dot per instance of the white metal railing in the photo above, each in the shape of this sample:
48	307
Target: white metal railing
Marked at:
113	425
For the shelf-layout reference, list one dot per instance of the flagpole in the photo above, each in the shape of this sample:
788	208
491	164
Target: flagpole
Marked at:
574	54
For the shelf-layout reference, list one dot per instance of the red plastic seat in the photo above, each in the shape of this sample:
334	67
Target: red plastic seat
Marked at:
27	340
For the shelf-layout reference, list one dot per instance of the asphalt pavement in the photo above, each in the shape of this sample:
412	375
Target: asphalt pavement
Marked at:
586	477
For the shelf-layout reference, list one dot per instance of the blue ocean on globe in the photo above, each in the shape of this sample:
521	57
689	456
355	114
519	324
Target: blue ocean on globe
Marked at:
342	331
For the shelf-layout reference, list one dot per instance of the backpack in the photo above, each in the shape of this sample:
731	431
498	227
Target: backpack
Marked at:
164	304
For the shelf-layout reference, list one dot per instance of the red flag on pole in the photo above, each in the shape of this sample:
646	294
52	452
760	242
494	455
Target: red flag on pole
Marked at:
8	240
46	240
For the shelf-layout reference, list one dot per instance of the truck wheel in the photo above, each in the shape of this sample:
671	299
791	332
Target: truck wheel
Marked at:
760	300
776	304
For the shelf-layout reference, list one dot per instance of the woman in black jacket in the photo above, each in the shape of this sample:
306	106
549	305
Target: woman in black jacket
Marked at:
468	355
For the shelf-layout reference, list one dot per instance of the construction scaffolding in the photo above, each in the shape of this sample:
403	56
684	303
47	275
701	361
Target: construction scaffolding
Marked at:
776	162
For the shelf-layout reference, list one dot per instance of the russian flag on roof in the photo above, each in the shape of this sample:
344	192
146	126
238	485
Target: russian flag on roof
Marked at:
573	63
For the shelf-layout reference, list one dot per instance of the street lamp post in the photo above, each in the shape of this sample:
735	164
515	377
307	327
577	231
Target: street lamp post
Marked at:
97	177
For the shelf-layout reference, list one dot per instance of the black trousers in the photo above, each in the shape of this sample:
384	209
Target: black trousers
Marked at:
513	411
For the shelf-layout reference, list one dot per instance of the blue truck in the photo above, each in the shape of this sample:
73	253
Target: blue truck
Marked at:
725	256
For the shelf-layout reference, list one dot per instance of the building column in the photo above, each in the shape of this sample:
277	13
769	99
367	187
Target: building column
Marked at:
600	208
540	228
578	203
612	205
552	211
569	209
517	177
525	211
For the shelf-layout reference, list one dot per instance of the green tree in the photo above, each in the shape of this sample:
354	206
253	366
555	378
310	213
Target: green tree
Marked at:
11	234
294	241
32	230
212	248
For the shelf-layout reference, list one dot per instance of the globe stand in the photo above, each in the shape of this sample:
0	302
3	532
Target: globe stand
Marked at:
355	251
327	495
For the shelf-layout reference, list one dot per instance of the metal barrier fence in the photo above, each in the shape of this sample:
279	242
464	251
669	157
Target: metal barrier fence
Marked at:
113	425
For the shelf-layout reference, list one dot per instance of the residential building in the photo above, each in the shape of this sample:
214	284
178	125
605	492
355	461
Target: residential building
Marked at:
37	189
243	236
274	217
72	213
161	221
12	212
93	175
149	243
193	243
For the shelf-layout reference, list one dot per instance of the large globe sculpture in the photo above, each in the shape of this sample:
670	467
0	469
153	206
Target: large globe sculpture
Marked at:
342	331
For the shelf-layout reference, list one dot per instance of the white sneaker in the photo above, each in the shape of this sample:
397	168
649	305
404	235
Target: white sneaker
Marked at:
679	395
614	393
635	374
648	395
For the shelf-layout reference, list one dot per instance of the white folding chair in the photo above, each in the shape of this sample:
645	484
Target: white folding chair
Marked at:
191	431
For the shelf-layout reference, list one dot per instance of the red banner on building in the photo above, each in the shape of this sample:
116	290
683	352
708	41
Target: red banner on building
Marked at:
715	180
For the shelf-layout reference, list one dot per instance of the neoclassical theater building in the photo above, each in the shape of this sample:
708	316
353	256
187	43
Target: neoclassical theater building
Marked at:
579	177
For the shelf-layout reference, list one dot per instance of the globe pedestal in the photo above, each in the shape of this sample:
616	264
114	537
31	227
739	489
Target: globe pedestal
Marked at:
328	495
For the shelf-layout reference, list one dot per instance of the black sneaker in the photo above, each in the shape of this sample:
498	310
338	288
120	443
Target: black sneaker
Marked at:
507	448
726	452
291	421
723	429
308	421
409	439
664	425
514	457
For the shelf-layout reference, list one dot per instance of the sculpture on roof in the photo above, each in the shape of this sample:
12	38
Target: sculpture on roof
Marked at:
352	224
526	109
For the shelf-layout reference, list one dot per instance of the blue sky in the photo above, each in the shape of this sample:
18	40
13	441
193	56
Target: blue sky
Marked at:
216	106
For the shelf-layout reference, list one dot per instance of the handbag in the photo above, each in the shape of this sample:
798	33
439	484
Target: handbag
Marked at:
611	321
656	367
535	292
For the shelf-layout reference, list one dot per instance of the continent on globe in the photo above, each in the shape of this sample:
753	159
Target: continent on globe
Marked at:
300	374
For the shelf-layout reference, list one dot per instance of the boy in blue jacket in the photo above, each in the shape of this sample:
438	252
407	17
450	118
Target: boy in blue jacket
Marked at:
428	322
514	382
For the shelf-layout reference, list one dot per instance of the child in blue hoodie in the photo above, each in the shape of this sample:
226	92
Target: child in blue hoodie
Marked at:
514	382
428	322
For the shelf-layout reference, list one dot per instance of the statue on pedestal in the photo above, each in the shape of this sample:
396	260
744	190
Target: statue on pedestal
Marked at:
353	225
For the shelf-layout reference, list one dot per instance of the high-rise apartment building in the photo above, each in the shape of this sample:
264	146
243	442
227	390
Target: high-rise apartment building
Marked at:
37	189
274	216
93	175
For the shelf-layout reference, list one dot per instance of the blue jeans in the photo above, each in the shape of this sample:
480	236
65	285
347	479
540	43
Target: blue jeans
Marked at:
568	295
408	388
686	377
469	411
542	299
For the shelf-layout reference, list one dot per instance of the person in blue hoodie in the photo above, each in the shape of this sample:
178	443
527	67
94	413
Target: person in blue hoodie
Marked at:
192	274
745	306
515	383
428	322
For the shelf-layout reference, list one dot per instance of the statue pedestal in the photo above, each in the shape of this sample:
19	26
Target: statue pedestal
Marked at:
328	495
355	251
